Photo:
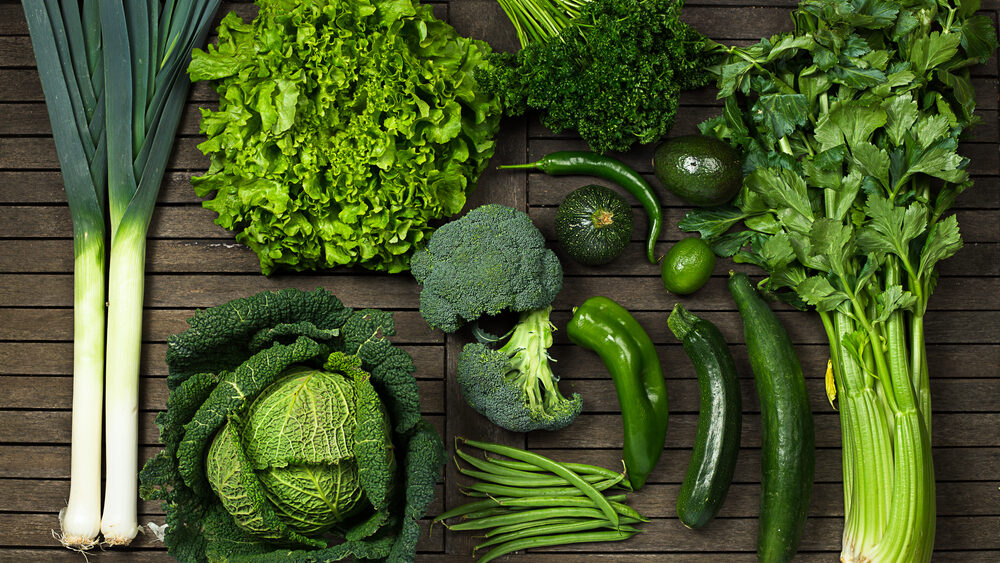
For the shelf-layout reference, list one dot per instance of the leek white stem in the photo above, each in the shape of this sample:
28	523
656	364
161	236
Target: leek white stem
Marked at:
119	523
81	519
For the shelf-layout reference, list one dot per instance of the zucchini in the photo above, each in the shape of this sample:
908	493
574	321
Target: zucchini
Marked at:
720	421
788	450
594	224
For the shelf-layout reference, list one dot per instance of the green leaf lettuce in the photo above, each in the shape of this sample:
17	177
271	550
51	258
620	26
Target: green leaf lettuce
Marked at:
344	129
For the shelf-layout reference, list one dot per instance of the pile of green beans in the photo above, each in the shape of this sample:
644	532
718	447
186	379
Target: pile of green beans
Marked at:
527	500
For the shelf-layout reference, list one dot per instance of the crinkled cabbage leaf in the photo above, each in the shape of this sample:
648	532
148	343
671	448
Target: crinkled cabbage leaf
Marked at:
292	433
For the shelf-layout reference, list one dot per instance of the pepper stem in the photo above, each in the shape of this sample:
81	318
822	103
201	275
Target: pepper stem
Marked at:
517	166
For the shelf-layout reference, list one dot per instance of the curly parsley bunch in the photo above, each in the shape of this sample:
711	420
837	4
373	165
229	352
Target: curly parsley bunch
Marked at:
614	74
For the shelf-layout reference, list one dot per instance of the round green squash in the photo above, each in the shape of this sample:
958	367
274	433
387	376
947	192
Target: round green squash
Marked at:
593	224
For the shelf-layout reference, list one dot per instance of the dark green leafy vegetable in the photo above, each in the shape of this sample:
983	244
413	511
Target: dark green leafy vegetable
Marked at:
344	128
850	127
614	74
227	495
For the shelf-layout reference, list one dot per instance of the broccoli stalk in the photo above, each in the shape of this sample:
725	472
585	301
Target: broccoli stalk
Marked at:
514	386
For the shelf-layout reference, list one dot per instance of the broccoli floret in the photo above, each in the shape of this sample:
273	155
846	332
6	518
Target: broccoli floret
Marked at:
491	260
514	386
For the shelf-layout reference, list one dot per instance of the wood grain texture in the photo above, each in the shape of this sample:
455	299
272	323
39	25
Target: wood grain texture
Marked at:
192	263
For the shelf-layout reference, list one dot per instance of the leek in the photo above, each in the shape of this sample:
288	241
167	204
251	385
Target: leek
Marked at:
113	73
146	86
67	49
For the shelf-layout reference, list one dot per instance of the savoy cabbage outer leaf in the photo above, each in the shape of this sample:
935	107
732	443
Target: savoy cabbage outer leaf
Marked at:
344	129
399	460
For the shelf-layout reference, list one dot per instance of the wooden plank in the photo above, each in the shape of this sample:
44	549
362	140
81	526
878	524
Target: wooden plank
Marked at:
393	292
56	358
53	427
28	153
41	186
604	430
947	395
34	530
31	118
45	392
685	123
975	259
976	225
654	501
947	327
56	555
195	222
201	256
546	190
49	496
483	19
158	324
587	431
976	361
980	465
176	222
985	160
740	534
638	294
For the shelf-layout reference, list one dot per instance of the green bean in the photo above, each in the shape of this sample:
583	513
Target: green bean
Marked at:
496	511
487	489
558	539
546	463
493	502
577	467
532	523
491	467
578	502
467	508
625	521
580	526
540	481
626	510
528	516
497	466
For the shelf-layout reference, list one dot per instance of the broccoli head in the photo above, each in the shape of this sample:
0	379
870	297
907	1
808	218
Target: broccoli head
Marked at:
514	386
491	260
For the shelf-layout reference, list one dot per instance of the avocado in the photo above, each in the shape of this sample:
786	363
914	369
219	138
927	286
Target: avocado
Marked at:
698	169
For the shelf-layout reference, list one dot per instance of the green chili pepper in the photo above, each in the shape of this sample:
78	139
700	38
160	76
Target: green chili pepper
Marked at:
607	328
586	163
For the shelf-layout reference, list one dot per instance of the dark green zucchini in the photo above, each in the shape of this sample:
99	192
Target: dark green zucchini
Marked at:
788	450
594	224
720	420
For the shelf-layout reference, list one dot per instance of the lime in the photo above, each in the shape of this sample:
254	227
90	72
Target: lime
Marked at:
687	266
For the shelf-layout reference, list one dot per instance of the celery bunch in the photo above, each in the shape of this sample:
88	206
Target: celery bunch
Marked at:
850	126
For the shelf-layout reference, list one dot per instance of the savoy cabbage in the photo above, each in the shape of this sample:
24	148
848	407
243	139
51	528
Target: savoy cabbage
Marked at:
293	433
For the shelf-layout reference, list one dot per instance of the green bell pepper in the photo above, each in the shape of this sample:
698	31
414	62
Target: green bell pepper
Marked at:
607	328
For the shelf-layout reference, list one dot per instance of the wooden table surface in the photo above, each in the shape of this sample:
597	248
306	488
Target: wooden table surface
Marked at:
194	264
